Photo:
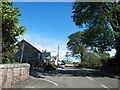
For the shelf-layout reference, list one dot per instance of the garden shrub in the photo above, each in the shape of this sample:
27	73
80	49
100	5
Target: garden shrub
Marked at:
83	64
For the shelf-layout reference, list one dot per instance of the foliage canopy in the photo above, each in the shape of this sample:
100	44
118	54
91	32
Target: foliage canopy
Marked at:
102	23
11	28
76	45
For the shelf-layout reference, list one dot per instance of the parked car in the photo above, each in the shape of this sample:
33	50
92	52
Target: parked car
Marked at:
62	66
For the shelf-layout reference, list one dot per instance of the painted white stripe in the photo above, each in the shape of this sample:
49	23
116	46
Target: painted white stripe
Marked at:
51	82
105	86
90	78
46	80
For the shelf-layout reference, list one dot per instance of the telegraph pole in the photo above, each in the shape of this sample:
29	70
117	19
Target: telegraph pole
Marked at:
57	55
22	52
58	52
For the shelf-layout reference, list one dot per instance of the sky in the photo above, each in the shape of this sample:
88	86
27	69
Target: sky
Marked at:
48	25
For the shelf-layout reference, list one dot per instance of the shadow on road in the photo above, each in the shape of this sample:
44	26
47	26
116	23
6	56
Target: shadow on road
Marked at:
35	74
72	73
98	74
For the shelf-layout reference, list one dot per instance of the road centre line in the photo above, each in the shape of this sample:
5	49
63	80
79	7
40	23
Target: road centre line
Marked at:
90	78
100	84
105	86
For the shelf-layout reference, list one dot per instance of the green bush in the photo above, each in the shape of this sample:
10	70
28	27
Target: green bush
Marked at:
8	61
83	64
111	66
51	67
75	63
54	66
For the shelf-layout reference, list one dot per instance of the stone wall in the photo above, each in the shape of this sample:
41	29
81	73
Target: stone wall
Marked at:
12	74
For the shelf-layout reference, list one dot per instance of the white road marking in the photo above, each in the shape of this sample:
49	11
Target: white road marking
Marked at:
90	78
105	86
51	82
46	80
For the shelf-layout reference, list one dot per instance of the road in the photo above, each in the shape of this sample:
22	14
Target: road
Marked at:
70	78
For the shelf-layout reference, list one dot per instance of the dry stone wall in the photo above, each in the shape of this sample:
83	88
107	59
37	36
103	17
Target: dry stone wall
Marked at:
12	74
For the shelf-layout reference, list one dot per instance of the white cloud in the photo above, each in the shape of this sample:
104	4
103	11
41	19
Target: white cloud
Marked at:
46	44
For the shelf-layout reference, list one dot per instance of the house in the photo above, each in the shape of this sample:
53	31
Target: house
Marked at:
46	56
68	63
26	53
53	60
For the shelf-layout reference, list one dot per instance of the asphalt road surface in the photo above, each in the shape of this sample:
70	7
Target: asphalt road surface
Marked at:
70	78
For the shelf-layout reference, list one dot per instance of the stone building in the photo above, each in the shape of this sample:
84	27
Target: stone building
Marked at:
26	53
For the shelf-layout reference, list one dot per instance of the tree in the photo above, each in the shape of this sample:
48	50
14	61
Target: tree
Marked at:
11	28
92	59
75	45
97	16
99	40
104	56
0	34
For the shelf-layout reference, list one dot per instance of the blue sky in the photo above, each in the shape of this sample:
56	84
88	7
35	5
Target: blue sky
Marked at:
48	25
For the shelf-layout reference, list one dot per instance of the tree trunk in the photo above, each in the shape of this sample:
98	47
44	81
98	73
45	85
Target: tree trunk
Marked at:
117	56
116	28
81	56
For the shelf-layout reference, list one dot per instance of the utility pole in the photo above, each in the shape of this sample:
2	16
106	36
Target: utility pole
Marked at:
22	53
57	54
